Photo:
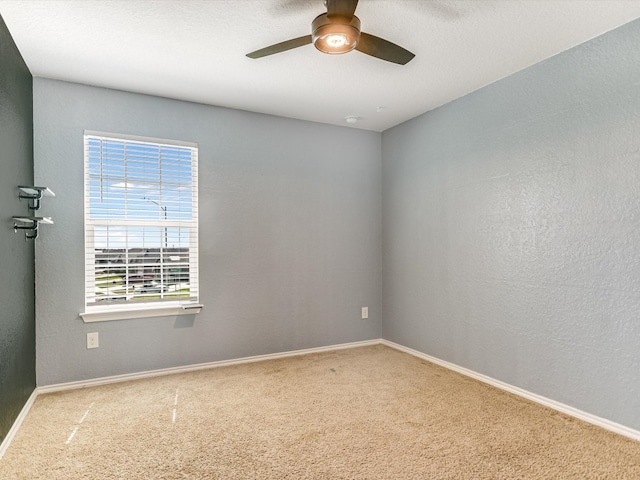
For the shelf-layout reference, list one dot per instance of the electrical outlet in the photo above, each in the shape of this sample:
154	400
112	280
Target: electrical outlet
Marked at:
92	340
365	312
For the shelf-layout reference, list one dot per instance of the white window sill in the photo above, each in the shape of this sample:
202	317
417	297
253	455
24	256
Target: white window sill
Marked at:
139	311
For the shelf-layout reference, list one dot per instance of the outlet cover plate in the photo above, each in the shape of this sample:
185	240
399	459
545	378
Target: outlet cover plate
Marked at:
92	340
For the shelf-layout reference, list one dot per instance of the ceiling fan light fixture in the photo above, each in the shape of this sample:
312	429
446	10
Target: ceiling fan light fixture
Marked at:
338	31
335	35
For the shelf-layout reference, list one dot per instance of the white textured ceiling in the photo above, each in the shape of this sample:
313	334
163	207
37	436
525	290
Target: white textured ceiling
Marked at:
195	50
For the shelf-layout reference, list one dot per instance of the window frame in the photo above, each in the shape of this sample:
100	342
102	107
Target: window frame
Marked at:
140	308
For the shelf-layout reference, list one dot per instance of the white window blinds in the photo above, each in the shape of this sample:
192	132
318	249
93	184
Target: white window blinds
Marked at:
141	220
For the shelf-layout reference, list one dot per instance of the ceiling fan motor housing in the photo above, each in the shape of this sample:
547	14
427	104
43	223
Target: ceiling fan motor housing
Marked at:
334	34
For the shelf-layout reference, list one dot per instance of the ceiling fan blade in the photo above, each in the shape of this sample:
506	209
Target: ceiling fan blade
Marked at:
343	8
383	49
281	47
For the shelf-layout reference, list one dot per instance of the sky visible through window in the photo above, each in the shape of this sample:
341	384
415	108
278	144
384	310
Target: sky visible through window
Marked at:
144	190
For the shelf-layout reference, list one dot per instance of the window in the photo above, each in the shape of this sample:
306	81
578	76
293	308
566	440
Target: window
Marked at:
141	224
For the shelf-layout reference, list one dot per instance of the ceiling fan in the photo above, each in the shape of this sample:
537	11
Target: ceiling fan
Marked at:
338	31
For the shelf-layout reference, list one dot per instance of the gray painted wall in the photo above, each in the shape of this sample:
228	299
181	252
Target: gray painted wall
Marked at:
290	216
17	318
511	229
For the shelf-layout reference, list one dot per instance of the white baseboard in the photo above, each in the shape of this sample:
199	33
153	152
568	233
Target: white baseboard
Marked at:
574	412
16	425
560	407
201	366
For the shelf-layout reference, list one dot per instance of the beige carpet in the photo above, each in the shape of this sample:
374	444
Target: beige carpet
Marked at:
363	413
